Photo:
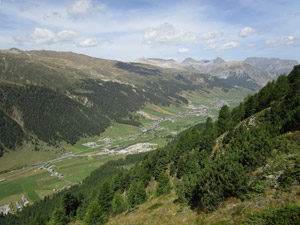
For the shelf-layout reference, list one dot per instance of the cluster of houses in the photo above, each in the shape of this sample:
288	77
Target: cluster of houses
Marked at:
5	209
127	150
106	140
138	148
66	187
91	144
51	171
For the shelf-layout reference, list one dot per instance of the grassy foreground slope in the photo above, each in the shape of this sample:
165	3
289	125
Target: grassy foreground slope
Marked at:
268	201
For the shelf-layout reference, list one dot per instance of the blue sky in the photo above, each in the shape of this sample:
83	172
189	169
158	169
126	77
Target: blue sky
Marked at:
129	29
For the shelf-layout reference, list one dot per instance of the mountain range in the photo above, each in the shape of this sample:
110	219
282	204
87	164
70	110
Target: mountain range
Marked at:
251	73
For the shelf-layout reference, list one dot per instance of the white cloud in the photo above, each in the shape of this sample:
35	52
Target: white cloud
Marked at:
89	43
217	46
167	34
83	7
45	36
247	31
65	35
80	7
183	50
290	40
211	35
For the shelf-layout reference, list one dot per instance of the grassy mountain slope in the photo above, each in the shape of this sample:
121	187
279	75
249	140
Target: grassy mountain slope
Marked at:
63	96
60	70
242	181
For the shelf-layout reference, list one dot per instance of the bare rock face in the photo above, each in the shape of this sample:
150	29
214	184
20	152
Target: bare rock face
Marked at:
237	73
17	116
275	66
165	63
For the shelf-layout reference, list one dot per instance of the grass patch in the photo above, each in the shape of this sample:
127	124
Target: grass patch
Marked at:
154	206
23	185
120	130
49	182
43	193
24	156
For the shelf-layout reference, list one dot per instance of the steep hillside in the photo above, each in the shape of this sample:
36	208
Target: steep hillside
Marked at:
49	115
241	169
61	70
272	65
63	96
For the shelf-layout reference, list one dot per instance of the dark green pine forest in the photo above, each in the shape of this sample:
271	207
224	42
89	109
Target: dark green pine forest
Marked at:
205	165
30	112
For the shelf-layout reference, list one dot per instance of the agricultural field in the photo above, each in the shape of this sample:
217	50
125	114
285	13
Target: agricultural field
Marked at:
37	183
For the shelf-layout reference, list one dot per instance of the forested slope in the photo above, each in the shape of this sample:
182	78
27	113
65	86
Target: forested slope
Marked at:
53	116
205	168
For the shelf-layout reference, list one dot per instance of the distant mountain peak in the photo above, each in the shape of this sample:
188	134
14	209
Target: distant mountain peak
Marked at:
218	60
189	60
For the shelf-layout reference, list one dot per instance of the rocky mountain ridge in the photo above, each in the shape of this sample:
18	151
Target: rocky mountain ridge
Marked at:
252	73
275	66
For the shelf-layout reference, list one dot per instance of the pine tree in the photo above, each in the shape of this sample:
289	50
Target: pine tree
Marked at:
172	169
105	197
224	120
118	204
95	215
70	203
194	139
164	185
58	217
208	135
131	195
141	195
136	194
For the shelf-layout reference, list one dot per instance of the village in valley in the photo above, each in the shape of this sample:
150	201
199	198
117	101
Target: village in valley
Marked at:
8	208
108	146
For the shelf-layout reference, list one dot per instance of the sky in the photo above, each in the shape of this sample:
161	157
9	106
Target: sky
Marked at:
130	29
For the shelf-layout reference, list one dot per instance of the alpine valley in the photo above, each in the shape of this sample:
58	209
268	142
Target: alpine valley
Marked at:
85	140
